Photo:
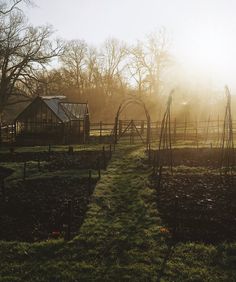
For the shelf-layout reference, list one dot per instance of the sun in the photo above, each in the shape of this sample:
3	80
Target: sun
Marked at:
209	50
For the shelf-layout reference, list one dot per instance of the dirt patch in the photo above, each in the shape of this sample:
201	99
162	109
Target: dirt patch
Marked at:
205	157
36	209
199	207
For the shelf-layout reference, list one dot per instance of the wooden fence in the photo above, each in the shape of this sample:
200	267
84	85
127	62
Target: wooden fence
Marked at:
182	132
207	132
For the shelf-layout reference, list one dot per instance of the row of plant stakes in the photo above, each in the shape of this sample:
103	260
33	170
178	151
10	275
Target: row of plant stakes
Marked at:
226	158
193	205
104	155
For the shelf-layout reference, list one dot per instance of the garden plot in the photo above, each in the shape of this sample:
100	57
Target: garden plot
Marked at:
197	202
201	157
36	209
36	193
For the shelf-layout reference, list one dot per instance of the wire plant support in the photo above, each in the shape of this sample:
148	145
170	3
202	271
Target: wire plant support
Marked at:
227	154
164	154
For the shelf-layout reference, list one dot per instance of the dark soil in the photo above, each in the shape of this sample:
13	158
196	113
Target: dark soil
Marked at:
61	160
36	209
204	157
199	207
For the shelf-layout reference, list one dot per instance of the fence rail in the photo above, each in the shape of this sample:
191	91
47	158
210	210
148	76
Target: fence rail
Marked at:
184	132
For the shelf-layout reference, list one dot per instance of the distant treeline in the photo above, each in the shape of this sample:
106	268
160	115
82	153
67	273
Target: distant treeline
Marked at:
33	63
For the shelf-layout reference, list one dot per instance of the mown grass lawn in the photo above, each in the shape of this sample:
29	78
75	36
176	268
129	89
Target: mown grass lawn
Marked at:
122	239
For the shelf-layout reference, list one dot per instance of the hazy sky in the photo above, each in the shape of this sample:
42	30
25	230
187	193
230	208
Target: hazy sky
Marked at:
203	32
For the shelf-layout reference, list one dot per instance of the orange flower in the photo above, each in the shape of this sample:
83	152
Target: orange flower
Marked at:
164	230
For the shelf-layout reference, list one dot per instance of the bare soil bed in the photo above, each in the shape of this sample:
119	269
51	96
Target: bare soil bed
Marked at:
59	160
197	202
206	157
199	207
36	209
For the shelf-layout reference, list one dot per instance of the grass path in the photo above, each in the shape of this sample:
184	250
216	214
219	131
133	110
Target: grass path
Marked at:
121	239
121	234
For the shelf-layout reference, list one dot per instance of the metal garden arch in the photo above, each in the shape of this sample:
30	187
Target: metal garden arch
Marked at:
123	105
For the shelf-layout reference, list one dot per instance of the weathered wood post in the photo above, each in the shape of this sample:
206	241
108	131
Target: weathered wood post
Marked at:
185	128
176	215
15	131
154	163
90	181
157	130
207	129
196	134
142	127
7	132
115	130
70	150
218	129
148	130
99	168
110	151
49	148
132	132
84	131
149	154
120	127
100	131
69	220
104	157
12	132
174	131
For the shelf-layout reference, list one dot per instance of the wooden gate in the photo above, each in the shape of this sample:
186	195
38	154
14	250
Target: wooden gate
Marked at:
132	130
132	126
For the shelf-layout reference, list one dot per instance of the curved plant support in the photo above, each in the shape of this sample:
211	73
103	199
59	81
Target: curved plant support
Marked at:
124	104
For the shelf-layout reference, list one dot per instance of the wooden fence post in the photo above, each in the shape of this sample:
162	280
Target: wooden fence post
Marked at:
185	128
115	129
120	127
100	132
207	129
90	181
176	210
142	127
110	152
174	131
69	216
99	168
7	133
196	134
154	162
157	131
149	154
104	157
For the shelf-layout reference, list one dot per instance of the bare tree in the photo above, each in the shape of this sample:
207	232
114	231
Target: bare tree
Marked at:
148	61
112	64
136	67
94	76
9	6
23	51
74	64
